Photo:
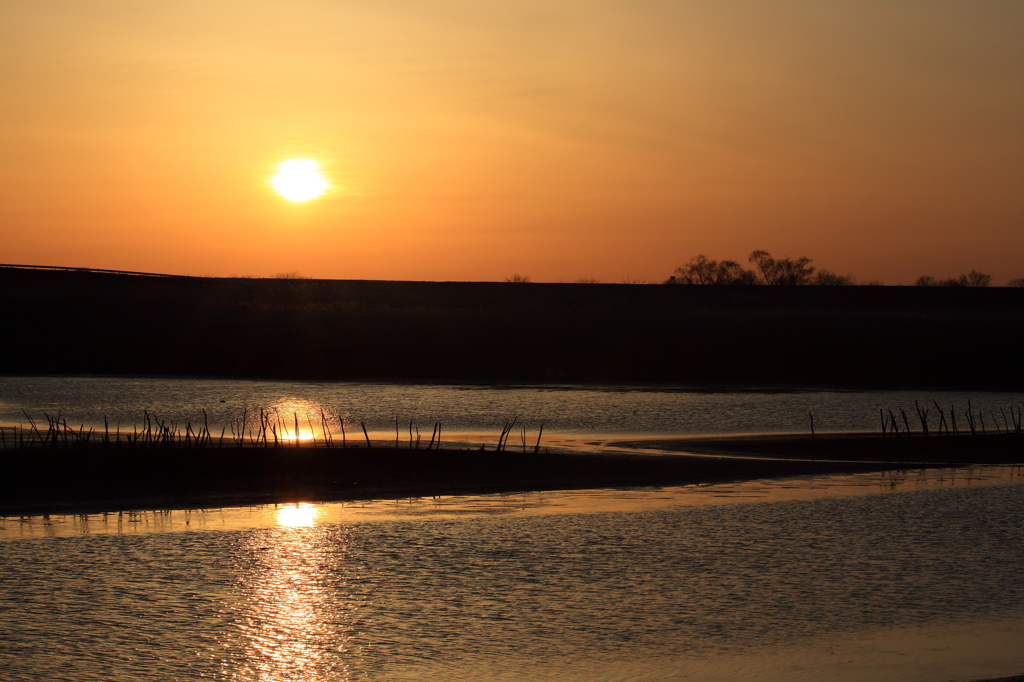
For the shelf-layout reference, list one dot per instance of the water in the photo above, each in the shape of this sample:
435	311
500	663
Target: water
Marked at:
469	409
914	577
921	583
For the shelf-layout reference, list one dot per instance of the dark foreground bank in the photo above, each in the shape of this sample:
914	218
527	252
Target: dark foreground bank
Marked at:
99	323
72	481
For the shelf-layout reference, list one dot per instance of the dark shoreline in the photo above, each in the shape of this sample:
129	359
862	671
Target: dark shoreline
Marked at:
96	480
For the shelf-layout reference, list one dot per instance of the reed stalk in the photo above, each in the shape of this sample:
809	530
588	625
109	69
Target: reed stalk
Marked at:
942	418
922	416
32	423
328	440
505	431
906	423
894	427
312	434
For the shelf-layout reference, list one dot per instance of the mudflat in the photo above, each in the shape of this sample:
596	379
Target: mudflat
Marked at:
105	479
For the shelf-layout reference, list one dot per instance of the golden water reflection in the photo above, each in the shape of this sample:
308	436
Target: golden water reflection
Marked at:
294	621
294	419
308	515
293	516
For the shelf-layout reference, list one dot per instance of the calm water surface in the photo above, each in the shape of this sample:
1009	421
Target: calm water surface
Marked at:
916	577
475	410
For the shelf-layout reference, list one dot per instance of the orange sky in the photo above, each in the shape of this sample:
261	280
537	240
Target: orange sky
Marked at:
471	141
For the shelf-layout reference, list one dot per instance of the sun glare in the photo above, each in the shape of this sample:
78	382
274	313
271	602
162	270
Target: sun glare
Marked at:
299	180
301	514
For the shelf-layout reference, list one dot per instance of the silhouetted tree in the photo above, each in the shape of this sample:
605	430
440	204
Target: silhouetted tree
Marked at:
971	279
701	270
785	271
1018	282
827	278
975	279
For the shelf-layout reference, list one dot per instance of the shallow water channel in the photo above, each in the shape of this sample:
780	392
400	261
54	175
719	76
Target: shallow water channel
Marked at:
910	575
904	575
477	412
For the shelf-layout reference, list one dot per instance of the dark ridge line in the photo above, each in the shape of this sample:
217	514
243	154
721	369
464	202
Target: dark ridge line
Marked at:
109	272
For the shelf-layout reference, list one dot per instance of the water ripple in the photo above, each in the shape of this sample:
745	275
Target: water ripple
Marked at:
601	596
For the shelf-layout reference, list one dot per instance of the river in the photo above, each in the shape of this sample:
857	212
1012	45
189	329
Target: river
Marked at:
478	411
902	576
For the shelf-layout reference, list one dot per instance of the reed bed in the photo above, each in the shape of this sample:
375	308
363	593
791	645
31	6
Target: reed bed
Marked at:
974	422
266	456
263	428
269	428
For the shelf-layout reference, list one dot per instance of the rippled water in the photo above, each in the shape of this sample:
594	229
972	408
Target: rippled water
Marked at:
802	589
476	409
922	582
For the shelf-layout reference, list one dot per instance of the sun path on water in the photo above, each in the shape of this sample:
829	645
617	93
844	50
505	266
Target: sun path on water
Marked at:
299	180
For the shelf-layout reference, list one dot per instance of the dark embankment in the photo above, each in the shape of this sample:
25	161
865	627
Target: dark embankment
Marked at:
38	481
177	479
60	322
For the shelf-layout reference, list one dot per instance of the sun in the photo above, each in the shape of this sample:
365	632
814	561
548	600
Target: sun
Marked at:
299	180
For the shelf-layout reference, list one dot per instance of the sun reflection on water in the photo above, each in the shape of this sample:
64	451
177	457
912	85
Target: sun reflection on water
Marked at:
301	514
294	622
292	419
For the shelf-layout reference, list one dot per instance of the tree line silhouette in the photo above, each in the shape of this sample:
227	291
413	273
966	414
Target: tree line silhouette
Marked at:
796	272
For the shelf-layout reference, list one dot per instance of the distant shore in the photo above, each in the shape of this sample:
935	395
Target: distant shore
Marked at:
96	480
327	330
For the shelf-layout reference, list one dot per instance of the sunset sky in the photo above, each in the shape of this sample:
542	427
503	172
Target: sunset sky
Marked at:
473	140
